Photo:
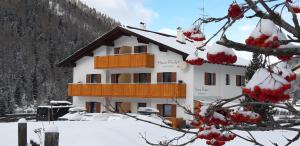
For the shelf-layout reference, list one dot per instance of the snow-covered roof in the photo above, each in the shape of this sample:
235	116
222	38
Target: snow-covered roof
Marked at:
189	47
165	41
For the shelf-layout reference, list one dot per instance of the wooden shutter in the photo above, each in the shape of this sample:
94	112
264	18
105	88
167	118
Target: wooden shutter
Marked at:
160	108
173	110
238	80
148	77
116	50
98	107
88	78
88	107
125	107
159	77
113	78
214	78
206	78
136	78
173	77
98	78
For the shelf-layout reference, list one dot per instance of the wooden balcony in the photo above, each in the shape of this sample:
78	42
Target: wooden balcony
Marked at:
143	60
128	90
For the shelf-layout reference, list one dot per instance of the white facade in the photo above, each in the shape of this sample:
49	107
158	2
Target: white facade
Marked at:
192	76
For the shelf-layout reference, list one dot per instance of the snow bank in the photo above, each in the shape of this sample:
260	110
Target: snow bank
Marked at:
264	79
125	132
22	120
52	129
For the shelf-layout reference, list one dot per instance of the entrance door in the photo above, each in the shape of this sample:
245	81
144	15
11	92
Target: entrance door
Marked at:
93	107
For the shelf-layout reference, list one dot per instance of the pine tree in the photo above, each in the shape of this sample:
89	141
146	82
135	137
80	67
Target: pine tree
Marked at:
256	63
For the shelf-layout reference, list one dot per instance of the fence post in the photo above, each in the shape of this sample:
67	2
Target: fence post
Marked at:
51	136
22	132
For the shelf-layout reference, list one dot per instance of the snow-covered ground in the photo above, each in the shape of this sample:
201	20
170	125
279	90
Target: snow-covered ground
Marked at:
122	131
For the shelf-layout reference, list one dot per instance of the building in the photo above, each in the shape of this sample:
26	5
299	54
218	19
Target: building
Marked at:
129	68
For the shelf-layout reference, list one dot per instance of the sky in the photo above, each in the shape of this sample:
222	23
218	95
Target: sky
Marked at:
166	15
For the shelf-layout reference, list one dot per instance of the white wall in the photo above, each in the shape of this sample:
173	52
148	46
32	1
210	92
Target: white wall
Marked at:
220	90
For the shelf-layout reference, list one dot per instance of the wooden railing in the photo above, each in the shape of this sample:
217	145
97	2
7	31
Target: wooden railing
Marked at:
128	90
143	60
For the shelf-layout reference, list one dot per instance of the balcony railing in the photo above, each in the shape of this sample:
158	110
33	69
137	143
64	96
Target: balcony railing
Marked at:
143	60
128	90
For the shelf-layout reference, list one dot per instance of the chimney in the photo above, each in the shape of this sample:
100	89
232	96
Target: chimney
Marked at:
143	25
180	36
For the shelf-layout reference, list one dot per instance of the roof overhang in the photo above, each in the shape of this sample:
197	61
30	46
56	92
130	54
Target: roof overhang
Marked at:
108	39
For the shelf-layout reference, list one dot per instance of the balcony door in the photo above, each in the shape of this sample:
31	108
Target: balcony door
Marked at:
140	49
121	78
93	78
123	50
142	78
166	77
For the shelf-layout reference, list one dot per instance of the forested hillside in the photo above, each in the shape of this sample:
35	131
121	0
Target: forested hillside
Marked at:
34	36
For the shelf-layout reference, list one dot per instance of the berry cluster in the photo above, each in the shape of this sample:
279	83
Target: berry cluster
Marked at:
235	11
221	58
291	77
296	9
271	95
245	117
194	34
285	57
213	136
198	61
264	41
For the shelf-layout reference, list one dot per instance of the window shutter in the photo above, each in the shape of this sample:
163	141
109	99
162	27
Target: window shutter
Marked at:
159	77
214	78
116	50
148	77
238	80
88	78
173	77
136	78
206	78
160	109
88	107
173	110
98	107
113	78
98	78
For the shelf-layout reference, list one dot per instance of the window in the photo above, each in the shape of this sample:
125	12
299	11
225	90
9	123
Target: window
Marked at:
93	78
167	110
227	80
140	49
142	78
141	104
210	78
166	77
240	80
